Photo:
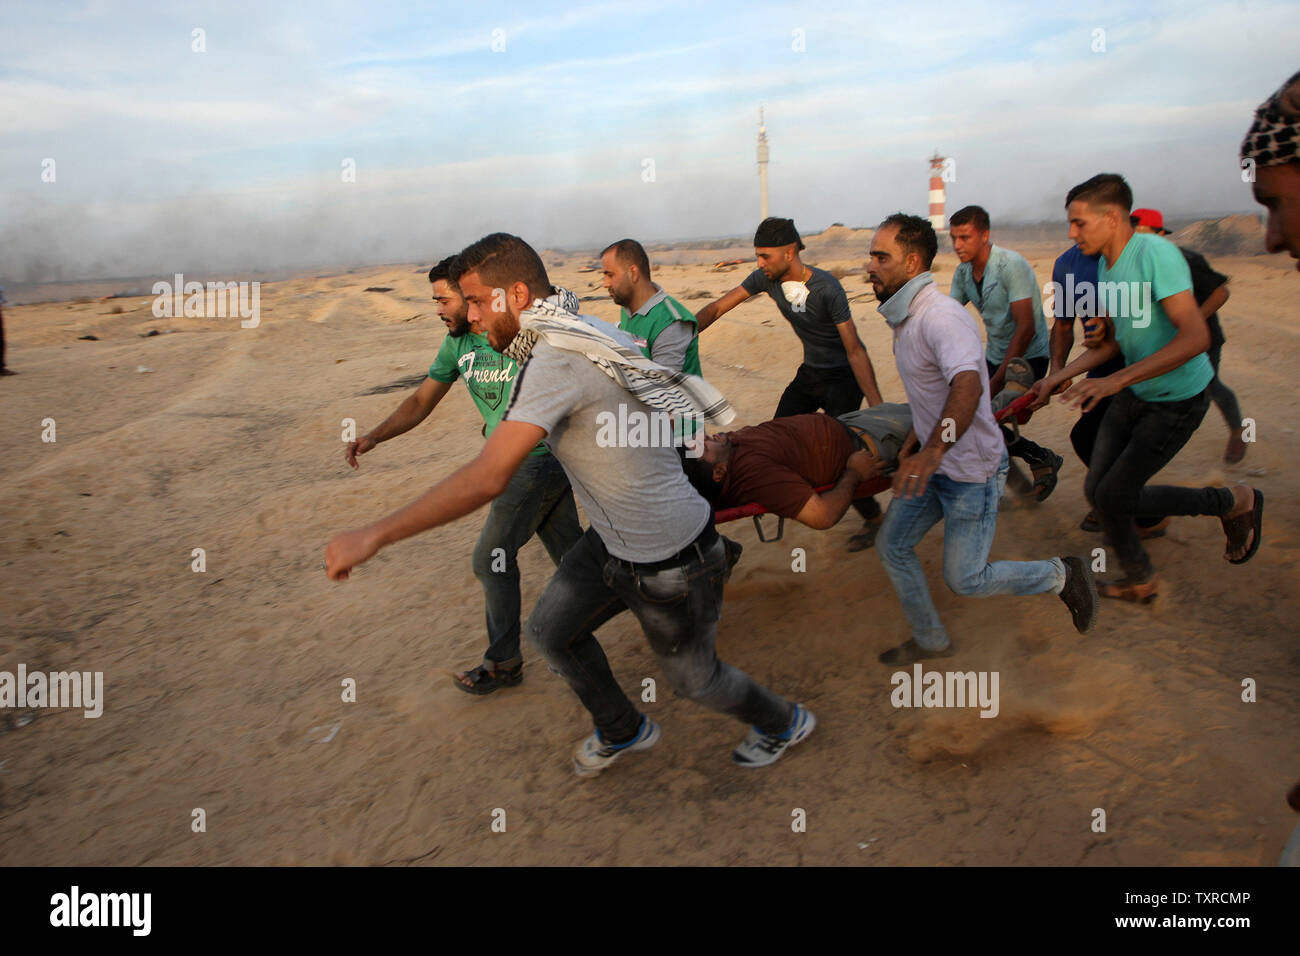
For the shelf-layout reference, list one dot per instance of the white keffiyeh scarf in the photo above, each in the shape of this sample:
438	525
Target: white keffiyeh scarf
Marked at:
680	395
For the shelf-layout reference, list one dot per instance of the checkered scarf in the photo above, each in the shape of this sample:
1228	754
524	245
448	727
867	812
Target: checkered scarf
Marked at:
1274	137
678	394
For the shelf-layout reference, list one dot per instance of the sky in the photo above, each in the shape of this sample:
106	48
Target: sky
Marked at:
573	125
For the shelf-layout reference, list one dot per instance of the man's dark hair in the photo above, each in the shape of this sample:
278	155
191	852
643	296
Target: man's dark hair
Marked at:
442	271
631	252
1104	189
915	235
774	232
700	474
975	216
502	260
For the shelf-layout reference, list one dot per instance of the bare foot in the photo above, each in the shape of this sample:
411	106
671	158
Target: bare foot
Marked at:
1236	449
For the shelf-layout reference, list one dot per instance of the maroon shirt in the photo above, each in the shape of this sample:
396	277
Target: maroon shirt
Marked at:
778	464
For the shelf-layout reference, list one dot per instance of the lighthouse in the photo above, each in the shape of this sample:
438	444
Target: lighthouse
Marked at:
762	165
936	191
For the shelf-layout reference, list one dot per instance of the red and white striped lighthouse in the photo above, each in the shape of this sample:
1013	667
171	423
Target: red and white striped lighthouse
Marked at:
936	191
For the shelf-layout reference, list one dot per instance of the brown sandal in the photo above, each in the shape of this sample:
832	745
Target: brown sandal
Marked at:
1124	590
1248	523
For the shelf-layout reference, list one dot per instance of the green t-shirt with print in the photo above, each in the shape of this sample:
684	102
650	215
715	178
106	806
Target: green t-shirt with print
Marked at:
488	375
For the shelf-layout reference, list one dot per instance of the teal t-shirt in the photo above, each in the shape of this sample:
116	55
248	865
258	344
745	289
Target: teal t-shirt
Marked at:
1150	268
1008	277
489	376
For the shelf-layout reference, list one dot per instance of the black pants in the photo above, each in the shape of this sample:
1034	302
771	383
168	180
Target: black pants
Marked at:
1223	396
1134	441
1033	455
830	390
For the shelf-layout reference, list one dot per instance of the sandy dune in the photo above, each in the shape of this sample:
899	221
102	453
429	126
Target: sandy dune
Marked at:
221	687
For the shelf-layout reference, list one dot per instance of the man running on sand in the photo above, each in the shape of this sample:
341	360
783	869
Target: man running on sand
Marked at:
651	547
1160	396
1001	284
537	499
1210	289
836	372
959	470
664	329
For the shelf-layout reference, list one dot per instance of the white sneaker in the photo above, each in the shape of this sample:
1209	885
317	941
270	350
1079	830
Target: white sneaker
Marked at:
594	755
760	749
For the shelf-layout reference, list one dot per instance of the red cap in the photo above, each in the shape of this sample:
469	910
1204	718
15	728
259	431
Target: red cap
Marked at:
1149	217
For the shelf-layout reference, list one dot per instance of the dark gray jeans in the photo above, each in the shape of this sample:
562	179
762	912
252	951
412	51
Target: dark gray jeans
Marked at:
537	501
678	603
1136	439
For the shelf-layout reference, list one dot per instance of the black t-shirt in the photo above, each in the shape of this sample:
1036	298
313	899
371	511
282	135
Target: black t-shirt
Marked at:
825	308
1205	279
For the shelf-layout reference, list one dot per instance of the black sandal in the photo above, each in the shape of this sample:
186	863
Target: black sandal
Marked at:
1237	527
866	537
1045	477
484	681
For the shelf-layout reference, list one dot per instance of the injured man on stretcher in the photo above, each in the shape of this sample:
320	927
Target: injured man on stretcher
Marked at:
781	464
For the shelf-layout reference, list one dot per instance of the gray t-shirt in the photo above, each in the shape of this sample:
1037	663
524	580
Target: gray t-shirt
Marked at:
825	308
670	347
637	498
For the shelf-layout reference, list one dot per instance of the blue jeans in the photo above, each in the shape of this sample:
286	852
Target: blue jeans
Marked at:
677	602
969	511
538	501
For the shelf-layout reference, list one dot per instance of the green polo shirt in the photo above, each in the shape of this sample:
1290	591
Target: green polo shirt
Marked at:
656	314
1150	268
489	376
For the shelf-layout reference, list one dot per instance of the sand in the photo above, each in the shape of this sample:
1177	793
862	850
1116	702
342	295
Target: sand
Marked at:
223	688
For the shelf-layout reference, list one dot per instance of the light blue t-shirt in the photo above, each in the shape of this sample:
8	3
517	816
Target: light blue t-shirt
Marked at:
1150	268
1008	277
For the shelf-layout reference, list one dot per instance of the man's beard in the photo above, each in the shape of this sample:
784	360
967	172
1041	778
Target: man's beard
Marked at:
458	328
885	293
780	277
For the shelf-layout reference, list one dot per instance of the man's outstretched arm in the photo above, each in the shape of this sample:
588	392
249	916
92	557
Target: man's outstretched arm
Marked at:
1022	313
719	307
411	412
860	362
465	490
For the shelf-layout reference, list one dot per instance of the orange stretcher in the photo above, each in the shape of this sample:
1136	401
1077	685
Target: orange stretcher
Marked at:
868	489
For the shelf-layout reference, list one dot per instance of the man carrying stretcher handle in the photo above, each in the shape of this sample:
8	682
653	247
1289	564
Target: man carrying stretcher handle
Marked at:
954	465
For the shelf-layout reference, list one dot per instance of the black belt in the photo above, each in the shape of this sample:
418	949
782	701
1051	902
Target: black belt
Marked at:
705	540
